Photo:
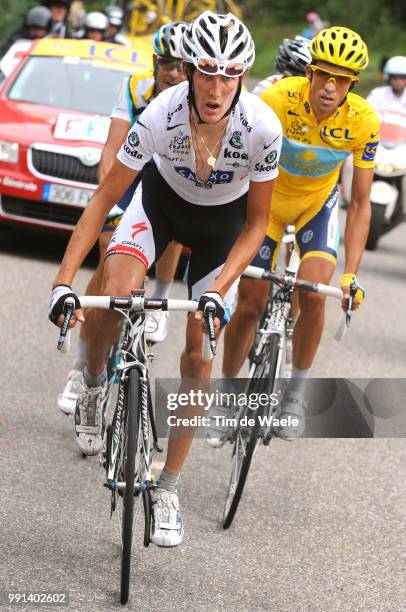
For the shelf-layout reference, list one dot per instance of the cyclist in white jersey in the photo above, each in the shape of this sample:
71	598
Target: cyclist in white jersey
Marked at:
136	93
292	59
216	152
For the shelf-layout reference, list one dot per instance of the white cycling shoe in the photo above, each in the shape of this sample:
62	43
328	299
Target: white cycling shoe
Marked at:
167	523
89	419
156	326
67	399
292	409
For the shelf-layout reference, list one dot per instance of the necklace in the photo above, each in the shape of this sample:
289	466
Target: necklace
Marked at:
211	160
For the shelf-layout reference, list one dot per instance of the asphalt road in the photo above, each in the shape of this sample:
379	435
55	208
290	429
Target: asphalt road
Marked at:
321	524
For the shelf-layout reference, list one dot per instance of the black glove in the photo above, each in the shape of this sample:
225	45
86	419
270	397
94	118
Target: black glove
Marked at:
58	297
221	312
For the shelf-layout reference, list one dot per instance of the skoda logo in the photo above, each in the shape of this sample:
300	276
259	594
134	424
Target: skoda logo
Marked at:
133	139
90	157
270	157
307	236
235	140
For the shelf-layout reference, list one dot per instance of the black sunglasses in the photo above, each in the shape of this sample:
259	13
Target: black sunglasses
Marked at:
170	63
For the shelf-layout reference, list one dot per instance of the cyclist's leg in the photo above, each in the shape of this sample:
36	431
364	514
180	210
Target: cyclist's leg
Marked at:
317	238
165	267
156	324
252	299
140	236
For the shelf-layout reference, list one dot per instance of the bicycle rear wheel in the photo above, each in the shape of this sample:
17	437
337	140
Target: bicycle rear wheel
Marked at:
245	444
130	440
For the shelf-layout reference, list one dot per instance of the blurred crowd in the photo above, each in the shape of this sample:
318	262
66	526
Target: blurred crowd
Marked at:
67	19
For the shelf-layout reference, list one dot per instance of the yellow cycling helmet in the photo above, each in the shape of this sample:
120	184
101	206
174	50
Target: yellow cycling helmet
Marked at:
340	46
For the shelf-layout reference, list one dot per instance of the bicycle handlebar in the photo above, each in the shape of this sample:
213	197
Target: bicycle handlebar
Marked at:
139	304
297	283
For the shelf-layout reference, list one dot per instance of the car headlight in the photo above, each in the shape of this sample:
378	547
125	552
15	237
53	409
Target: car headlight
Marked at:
8	152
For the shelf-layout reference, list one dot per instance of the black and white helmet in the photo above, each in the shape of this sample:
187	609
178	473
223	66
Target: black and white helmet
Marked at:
221	37
293	56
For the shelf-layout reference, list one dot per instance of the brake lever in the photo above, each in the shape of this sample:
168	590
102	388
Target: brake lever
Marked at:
68	310
209	312
349	311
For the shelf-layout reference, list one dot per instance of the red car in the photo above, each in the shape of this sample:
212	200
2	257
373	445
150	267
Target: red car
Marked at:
54	119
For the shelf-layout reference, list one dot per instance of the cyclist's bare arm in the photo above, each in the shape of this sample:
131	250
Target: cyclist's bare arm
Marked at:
117	134
358	218
88	229
250	239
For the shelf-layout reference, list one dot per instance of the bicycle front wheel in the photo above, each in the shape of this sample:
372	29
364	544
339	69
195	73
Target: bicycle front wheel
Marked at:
246	441
130	440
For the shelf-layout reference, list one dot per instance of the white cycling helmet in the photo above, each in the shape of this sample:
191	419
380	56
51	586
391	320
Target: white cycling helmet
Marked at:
115	15
221	37
96	21
395	65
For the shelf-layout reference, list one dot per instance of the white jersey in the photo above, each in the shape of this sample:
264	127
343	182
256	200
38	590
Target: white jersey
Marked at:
250	148
383	99
262	85
125	107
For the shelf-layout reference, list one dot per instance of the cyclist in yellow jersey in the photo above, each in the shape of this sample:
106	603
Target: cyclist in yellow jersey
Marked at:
323	122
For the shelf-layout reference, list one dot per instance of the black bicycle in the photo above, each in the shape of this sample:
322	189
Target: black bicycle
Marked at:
131	439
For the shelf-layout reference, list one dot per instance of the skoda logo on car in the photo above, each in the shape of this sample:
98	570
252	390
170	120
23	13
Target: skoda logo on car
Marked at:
90	157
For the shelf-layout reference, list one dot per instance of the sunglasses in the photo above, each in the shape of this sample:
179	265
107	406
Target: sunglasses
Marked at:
224	67
397	76
327	75
169	63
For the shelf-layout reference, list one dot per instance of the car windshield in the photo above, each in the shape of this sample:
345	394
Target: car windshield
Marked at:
68	82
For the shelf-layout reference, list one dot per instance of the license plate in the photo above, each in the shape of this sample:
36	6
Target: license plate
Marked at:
62	194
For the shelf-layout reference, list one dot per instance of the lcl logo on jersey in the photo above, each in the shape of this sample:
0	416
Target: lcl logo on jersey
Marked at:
337	133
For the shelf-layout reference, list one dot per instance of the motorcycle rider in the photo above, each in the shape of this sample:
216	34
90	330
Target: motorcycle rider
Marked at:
95	27
393	95
37	24
115	16
59	10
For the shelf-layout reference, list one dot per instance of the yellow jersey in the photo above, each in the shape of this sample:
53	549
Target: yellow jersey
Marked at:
313	151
